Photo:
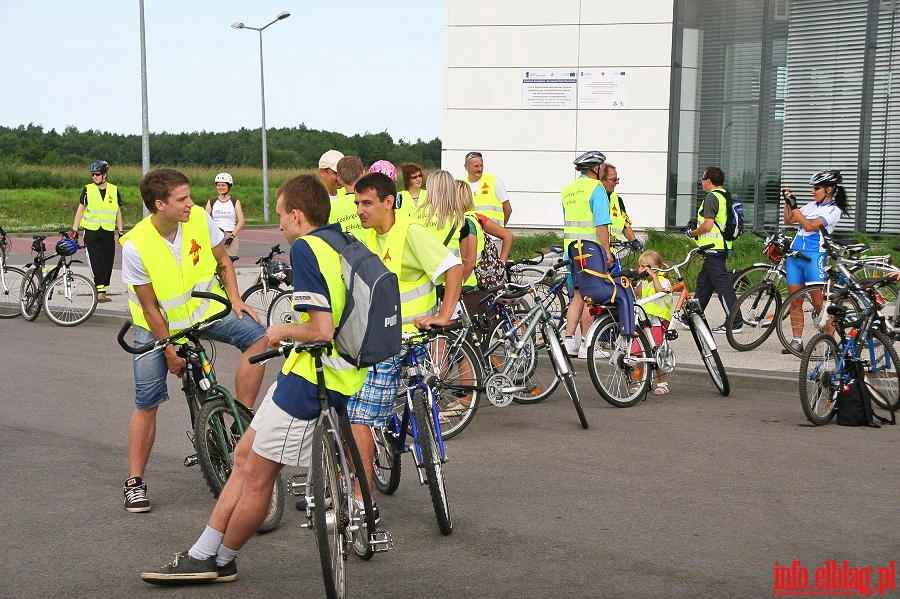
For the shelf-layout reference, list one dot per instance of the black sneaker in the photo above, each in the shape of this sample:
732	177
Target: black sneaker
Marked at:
228	572
136	495
376	513
185	570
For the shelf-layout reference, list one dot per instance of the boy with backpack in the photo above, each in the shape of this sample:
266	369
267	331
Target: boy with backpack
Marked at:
281	430
713	218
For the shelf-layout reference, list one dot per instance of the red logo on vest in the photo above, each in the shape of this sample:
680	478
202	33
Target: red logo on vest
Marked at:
386	257
195	251
485	189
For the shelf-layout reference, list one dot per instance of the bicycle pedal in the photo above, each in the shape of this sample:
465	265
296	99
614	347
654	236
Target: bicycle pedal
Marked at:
191	460
671	334
381	541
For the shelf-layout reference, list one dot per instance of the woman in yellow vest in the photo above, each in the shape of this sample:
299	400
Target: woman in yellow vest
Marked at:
659	310
413	196
445	216
100	213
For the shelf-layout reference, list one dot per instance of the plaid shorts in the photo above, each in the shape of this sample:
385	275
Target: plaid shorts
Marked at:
375	402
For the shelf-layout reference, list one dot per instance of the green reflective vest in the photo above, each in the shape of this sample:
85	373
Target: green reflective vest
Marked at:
100	212
618	217
343	211
714	236
486	201
577	215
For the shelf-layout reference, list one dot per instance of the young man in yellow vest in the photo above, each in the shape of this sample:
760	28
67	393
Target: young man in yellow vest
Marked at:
420	262
343	210
620	225
281	431
99	213
491	197
711	216
175	250
586	216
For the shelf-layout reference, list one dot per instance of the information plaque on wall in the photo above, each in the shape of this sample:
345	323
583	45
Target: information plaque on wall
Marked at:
549	89
602	88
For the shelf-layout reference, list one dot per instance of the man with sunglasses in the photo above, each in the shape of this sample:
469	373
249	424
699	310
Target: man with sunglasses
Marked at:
491	197
620	228
99	213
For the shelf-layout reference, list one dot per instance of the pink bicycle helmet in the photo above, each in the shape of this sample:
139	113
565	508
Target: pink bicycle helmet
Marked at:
385	168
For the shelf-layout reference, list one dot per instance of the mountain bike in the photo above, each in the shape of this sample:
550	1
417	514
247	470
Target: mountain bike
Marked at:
620	366
217	421
828	365
68	298
332	513
10	281
275	276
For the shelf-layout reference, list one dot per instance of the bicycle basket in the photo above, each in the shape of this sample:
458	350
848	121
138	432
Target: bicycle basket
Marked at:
278	272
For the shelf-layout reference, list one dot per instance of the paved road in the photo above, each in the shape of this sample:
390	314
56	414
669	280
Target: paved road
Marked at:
691	495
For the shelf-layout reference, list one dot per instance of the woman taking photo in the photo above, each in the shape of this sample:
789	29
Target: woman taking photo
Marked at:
829	203
412	196
226	212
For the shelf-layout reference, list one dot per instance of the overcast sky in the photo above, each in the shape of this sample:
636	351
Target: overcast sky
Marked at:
349	66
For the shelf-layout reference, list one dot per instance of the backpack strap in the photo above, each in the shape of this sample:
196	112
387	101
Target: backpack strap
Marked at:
723	198
337	240
450	235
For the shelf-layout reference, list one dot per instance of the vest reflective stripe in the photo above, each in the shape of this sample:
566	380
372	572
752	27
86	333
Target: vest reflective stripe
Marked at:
577	216
100	212
486	201
340	375
714	236
172	284
343	211
418	297
617	228
661	308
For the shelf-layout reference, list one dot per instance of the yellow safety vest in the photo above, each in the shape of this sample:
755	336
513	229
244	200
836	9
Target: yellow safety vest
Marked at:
662	307
343	211
418	297
411	208
100	212
486	201
172	283
577	215
714	236
453	243
618	217
340	375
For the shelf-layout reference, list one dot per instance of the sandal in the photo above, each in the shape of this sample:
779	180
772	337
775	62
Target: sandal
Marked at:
661	388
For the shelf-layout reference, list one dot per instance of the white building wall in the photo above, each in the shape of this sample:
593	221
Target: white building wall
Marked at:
488	44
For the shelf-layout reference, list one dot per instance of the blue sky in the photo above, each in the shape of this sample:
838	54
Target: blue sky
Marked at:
348	66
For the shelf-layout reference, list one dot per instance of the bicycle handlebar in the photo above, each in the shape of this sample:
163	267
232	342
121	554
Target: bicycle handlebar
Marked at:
690	254
273	251
162	343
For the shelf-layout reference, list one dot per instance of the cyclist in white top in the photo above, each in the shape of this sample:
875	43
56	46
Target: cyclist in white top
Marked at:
226	212
830	202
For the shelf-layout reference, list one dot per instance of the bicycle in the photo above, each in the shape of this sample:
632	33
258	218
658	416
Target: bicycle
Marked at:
69	299
10	281
217	421
829	365
275	276
332	513
620	367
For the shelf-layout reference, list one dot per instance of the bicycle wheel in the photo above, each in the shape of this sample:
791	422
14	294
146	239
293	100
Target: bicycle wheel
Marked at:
534	370
30	295
804	316
703	337
758	307
328	513
11	280
281	310
455	377
216	434
500	344
748	277
564	367
620	368
551	294
361	523
883	376
260	299
432	462
70	299
818	370
387	460
889	291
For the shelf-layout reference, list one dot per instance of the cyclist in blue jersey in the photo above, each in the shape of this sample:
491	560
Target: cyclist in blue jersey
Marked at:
830	202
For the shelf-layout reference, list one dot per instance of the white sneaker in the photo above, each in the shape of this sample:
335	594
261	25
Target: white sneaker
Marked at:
582	351
571	347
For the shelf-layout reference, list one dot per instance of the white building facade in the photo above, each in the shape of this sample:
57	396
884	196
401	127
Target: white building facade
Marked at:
770	90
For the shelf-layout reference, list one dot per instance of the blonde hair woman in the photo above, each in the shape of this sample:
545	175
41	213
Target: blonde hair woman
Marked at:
444	215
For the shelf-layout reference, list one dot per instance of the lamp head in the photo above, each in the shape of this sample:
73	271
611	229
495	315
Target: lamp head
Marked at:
237	25
283	15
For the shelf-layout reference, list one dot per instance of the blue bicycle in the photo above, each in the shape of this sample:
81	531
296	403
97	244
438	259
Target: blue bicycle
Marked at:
828	365
420	420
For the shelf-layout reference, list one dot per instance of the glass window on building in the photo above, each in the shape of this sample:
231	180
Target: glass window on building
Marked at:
774	90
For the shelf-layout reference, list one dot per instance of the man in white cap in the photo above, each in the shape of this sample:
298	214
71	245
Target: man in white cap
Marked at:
328	173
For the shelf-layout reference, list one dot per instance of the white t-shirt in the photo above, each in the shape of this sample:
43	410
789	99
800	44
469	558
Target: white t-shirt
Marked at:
819	214
499	189
224	214
133	271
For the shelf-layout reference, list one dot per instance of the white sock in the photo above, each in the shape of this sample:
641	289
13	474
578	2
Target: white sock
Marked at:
225	555
207	545
799	340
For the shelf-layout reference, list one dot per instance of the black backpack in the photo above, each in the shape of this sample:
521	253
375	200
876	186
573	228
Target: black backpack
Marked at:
854	403
370	327
734	221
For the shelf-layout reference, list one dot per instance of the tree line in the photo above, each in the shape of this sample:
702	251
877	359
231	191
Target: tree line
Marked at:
297	147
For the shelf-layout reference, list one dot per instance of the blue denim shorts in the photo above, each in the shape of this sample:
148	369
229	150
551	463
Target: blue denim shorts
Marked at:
151	371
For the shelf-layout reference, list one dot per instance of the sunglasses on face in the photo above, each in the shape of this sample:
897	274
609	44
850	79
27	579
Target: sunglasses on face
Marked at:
96	174
613	179
818	187
416	176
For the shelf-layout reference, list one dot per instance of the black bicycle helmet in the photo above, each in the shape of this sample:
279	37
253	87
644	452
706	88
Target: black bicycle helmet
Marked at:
101	166
827	177
588	160
66	246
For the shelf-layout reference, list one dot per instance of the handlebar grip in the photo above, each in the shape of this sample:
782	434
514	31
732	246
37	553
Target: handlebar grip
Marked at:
267	355
143	349
561	263
449	327
803	257
708	246
494	289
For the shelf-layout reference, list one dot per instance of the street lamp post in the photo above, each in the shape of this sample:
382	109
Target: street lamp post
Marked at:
262	93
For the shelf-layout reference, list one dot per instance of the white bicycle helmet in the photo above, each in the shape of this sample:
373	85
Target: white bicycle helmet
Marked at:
589	160
827	177
224	178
